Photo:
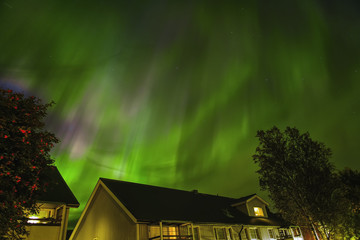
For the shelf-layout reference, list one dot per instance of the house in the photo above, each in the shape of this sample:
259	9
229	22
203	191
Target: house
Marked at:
124	210
51	222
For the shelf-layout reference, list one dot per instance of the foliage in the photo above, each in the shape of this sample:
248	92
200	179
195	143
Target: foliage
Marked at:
301	181
24	155
350	193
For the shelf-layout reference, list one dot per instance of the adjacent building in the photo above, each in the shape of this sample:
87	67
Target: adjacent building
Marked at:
55	203
130	211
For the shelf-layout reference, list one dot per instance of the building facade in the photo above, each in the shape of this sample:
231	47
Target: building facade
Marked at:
51	221
124	210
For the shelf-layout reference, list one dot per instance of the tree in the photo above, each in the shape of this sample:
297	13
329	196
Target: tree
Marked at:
24	156
301	181
350	193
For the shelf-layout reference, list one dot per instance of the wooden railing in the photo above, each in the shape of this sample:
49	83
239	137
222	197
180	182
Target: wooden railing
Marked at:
173	237
44	221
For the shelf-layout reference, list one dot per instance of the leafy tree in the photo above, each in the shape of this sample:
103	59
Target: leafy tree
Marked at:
301	181
24	155
350	200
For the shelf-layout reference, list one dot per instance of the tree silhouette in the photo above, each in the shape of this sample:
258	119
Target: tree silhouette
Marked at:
301	181
24	155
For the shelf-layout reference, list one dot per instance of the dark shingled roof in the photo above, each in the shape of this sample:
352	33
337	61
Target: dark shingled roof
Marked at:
151	203
58	191
243	199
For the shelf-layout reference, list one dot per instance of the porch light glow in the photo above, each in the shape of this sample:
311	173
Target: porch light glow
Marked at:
32	219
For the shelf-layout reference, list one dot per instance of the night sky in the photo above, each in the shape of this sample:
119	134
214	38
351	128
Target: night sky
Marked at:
171	93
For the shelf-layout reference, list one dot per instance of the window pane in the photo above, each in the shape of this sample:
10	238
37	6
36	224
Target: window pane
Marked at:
253	234
258	211
296	232
243	234
154	231
220	233
196	233
271	233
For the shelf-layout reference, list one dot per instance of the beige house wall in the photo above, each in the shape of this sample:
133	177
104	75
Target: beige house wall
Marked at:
105	220
49	232
143	232
44	232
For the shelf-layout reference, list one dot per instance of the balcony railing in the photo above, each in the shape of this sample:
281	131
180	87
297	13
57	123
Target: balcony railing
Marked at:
44	221
173	237
285	237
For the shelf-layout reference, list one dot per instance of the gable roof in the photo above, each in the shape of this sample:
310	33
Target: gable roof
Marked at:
247	199
58	191
151	204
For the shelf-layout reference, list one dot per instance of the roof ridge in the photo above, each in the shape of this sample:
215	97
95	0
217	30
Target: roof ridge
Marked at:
168	188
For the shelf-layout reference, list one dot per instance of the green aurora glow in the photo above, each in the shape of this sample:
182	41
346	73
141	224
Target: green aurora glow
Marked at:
171	93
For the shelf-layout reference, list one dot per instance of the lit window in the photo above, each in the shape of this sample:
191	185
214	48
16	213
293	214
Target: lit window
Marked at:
258	212
170	232
154	231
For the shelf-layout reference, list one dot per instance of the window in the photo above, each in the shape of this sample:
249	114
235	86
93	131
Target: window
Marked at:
154	231
254	234
170	232
220	233
271	233
283	233
258	212
243	234
196	233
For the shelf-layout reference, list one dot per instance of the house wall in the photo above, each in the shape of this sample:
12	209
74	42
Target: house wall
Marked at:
105	220
143	232
38	232
207	232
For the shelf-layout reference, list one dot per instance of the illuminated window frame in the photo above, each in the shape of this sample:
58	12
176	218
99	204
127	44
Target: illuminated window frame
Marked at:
258	211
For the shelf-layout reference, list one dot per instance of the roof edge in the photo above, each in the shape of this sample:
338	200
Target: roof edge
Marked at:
250	199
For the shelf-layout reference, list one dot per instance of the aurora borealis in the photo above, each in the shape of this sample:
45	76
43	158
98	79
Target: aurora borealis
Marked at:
171	93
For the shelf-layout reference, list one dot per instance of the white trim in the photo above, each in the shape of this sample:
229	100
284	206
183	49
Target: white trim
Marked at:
250	199
248	209
137	231
64	220
199	231
192	230
161	231
118	202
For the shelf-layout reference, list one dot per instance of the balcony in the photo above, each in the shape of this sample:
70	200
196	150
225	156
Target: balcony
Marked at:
44	221
173	237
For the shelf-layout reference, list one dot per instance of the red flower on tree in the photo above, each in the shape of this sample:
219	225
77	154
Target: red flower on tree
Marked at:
22	138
